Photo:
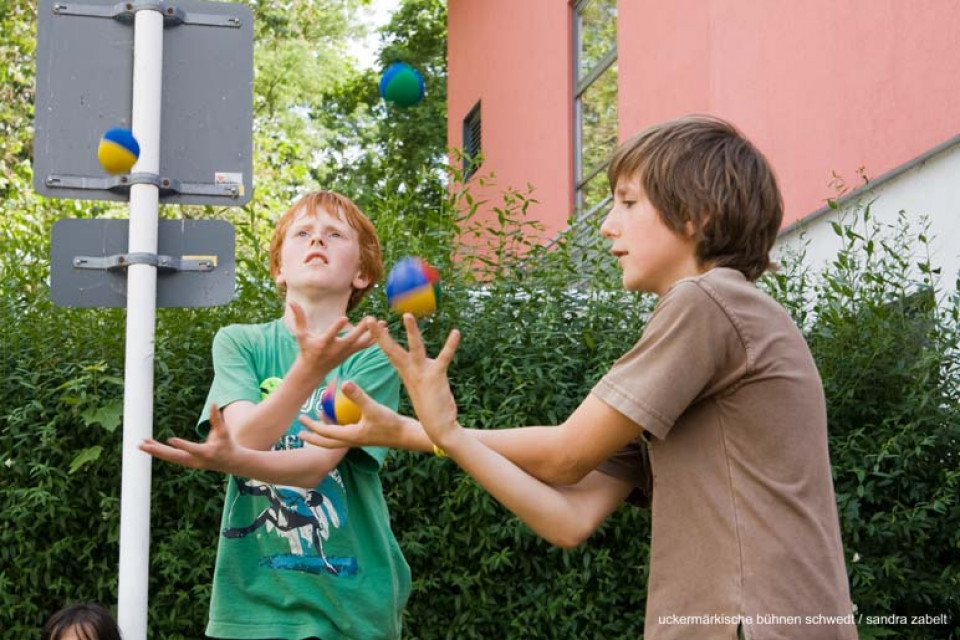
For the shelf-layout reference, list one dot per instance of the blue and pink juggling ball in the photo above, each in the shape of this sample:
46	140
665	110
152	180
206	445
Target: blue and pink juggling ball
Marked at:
401	84
338	408
413	286
118	150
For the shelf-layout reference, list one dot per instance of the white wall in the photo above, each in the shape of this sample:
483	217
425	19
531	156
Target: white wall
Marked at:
927	186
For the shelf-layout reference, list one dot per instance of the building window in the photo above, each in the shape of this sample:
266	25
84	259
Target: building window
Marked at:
472	148
595	102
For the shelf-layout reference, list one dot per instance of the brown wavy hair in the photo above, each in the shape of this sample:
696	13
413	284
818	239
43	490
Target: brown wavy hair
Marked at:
371	257
702	170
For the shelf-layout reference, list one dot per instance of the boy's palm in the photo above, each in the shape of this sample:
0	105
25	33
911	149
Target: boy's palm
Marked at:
379	426
216	453
425	378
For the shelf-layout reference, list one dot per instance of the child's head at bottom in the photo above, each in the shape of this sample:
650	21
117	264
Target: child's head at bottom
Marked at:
82	621
701	174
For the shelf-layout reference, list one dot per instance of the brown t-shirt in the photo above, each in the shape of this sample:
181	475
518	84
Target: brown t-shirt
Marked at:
745	526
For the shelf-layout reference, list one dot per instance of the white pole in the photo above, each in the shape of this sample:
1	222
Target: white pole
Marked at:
141	326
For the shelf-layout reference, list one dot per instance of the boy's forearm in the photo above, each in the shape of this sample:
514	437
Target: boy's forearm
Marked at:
297	467
267	421
533	449
411	436
544	508
536	450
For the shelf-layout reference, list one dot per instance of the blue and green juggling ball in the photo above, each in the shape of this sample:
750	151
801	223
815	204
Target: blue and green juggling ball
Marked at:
413	286
337	407
118	150
401	84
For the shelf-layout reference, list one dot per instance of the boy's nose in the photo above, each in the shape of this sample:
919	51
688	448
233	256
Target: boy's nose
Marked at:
606	227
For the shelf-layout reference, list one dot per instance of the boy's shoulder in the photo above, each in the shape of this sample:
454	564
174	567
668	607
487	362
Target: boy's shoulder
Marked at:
717	278
728	288
734	301
250	328
254	335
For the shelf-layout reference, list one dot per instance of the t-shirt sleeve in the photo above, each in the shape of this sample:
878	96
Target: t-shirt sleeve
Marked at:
689	350
632	463
234	377
373	372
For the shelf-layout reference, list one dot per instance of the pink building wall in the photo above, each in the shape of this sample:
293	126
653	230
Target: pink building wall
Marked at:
514	56
821	86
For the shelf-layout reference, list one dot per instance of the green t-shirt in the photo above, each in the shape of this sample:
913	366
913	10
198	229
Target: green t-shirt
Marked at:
294	563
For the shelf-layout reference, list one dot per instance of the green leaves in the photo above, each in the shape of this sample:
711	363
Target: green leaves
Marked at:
107	416
90	454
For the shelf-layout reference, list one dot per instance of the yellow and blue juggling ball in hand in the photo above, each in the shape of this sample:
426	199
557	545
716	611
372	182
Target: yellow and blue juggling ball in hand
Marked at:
413	286
338	408
118	150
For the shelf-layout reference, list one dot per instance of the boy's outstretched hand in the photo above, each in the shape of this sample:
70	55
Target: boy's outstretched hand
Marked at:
216	453
324	351
379	426
425	378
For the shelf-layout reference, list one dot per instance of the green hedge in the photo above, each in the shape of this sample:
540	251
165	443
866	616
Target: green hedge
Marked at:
885	341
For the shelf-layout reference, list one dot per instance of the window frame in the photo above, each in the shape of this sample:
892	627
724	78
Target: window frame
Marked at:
581	85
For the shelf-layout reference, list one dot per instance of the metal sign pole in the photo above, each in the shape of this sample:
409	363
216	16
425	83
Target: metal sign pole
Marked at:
141	327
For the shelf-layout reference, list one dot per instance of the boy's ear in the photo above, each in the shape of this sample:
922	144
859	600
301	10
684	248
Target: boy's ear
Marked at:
691	229
361	281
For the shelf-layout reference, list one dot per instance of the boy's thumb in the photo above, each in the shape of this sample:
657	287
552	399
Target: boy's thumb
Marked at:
355	393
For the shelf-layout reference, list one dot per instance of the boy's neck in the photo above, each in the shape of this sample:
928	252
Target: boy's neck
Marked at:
321	313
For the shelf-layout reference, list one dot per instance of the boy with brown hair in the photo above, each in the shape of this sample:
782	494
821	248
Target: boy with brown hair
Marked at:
716	416
305	548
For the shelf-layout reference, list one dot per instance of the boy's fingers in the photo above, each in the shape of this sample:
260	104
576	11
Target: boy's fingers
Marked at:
322	434
361	337
299	317
355	393
188	446
216	417
168	454
357	332
148	446
390	347
322	441
414	341
449	348
331	333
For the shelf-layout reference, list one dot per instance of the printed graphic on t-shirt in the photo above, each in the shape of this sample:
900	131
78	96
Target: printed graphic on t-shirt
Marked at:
295	521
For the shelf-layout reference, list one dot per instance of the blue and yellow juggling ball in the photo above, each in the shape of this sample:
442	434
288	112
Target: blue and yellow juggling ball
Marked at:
118	150
401	84
338	408
413	286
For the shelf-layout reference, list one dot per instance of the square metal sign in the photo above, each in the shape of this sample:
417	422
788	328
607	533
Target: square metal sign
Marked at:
195	263
84	87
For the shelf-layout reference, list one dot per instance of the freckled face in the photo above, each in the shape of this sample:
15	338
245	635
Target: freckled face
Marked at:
320	251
